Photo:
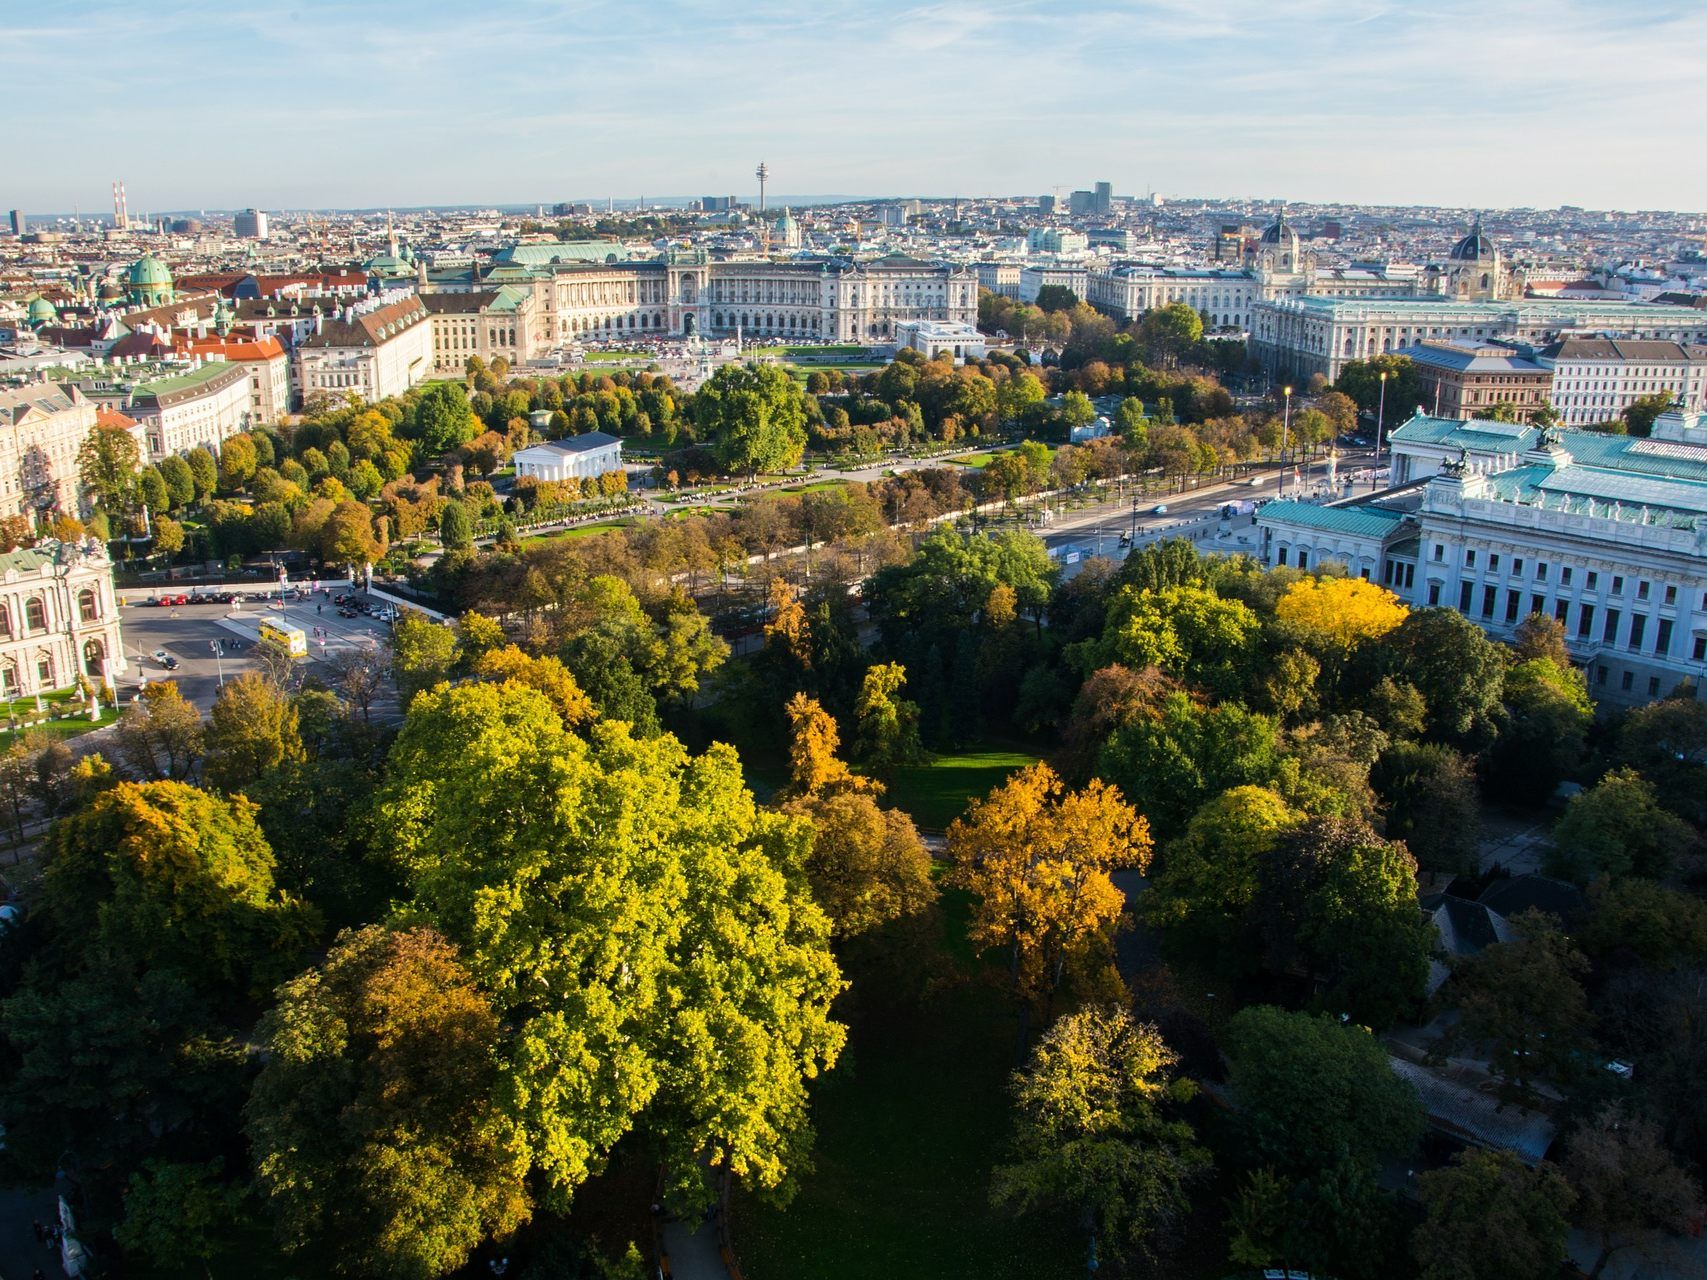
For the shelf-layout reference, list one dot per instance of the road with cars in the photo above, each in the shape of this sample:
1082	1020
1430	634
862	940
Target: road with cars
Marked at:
212	640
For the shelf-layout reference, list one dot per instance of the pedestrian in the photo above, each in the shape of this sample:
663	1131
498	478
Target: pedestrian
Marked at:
319	608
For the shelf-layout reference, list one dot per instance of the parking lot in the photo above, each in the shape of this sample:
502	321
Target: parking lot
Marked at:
215	640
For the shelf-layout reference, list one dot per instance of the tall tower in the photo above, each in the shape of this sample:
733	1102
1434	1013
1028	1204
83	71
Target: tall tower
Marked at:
762	173
121	211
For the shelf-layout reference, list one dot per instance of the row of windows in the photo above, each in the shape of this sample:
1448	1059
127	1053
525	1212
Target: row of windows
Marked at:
1611	622
35	612
1567	574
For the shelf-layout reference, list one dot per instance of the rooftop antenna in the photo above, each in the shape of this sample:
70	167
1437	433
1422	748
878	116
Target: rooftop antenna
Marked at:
762	173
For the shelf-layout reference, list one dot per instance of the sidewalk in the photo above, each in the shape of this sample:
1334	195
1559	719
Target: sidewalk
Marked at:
694	1254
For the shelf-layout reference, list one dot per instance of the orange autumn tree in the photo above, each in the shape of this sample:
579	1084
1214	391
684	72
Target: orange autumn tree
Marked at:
1038	859
814	767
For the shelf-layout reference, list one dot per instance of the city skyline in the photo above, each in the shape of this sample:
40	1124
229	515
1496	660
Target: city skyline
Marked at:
1358	103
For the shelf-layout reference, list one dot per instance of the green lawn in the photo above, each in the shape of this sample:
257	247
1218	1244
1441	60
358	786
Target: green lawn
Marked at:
937	793
581	531
910	1124
817	486
59	730
977	461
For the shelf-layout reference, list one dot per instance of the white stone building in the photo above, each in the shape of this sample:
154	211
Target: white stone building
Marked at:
1596	379
42	426
1040	276
1605	533
1294	337
370	350
576	457
58	618
202	406
931	337
491	324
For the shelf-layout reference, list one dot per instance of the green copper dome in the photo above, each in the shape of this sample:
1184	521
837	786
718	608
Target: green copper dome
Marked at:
148	282
42	311
148	272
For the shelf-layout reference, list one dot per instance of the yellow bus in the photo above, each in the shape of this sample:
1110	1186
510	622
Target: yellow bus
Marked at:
293	640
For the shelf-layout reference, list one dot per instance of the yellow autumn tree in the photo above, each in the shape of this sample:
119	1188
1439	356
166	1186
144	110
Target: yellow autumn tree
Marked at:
1038	859
548	675
1332	616
788	626
814	767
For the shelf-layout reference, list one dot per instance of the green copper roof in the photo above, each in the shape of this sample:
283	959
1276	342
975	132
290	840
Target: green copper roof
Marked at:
149	272
543	255
1358	522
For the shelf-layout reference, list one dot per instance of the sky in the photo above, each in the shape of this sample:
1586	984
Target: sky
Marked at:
357	103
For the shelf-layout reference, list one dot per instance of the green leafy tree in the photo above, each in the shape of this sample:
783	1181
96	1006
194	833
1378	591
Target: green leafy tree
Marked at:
177	1214
1616	828
455	527
1189	632
1661	926
1311	1091
107	464
1168	332
1173	759
754	416
163	874
1457	669
1433	804
1640	413
1205	882
1544	731
1361	380
888	724
151	490
1666	742
251	731
204	473
1491	1217
440	421
1522	1004
180	482
380	1141
1340	902
635	920
1097	1134
423	652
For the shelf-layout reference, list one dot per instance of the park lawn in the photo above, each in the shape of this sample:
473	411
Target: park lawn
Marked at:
582	531
937	793
817	486
977	461
60	730
910	1124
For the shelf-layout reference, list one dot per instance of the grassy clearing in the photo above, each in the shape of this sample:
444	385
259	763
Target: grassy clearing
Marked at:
582	531
937	793
910	1125
817	486
60	730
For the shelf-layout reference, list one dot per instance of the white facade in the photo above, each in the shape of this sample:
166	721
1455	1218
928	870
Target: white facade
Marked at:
579	458
687	293
58	619
1223	297
1607	534
1294	337
1034	279
371	353
42	426
931	337
204	407
1595	380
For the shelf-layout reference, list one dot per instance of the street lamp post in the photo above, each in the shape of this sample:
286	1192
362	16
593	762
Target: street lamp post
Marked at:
1380	419
218	659
1285	430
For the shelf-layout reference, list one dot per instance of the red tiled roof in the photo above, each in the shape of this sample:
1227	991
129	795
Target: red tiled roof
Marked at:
263	348
112	418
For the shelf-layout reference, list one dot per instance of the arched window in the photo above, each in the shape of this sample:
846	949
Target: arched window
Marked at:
35	614
94	659
5	621
88	605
